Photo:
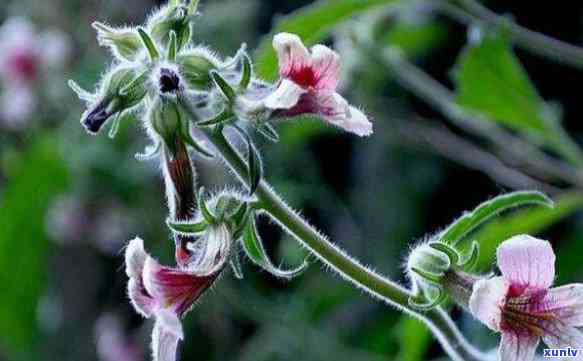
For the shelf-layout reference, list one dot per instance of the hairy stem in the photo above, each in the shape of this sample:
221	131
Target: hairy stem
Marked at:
351	270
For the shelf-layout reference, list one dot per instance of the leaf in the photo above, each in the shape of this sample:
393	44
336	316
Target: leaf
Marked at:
416	39
469	221
526	221
225	88
312	23
491	80
253	247
37	177
246	73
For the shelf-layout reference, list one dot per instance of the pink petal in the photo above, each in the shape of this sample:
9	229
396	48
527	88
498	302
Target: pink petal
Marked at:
488	297
517	347
135	256
567	303
560	335
174	288
286	96
165	337
336	110
527	262
143	303
292	55
326	67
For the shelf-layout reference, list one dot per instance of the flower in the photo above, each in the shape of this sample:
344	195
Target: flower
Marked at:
24	56
521	305
167	294
308	85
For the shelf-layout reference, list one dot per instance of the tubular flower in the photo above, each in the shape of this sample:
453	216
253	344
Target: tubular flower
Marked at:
166	293
308	82
521	304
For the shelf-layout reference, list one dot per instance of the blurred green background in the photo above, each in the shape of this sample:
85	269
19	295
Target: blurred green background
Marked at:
70	201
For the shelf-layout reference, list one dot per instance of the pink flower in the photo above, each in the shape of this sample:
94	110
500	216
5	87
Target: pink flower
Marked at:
521	305
308	85
25	55
167	294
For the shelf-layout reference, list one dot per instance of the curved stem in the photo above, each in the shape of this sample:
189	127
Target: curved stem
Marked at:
471	11
362	277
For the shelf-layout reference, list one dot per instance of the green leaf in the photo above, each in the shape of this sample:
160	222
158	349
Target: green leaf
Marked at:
491	80
225	88
525	221
416	39
246	73
312	23
253	247
415	338
471	220
37	177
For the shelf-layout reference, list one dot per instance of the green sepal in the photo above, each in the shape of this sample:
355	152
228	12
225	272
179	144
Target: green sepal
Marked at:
235	263
418	303
268	131
172	47
222	117
114	126
246	73
254	249
208	216
149	44
82	93
226	89
427	276
187	227
472	260
187	138
449	251
255	169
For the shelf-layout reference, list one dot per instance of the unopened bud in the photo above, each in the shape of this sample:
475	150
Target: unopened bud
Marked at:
176	18
196	65
166	121
121	90
124	43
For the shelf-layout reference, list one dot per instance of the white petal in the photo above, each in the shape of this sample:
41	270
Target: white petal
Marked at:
164	341
326	67
527	262
143	304
487	298
135	257
560	335
517	347
567	303
336	110
286	95
291	53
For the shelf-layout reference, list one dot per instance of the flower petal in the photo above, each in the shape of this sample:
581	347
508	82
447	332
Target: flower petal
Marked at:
135	256
566	302
286	95
291	54
174	288
165	336
517	347
143	303
527	262
560	335
336	110
488	296
326	67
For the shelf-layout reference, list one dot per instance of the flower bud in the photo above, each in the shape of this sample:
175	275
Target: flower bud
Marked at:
195	65
175	17
125	43
427	264
121	90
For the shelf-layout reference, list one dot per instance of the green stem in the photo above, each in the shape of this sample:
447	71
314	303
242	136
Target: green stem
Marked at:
392	293
471	11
